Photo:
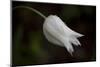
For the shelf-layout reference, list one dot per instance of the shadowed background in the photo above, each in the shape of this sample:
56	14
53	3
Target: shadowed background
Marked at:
29	45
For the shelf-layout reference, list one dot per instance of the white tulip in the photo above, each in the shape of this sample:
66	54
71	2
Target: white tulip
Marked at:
57	32
60	34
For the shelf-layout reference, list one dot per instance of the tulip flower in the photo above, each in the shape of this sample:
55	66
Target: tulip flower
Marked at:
60	34
57	32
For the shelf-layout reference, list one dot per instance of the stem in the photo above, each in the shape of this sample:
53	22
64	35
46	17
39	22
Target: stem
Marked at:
32	9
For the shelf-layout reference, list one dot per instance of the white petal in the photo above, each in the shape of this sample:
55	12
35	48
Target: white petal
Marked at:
68	45
51	29
75	41
51	38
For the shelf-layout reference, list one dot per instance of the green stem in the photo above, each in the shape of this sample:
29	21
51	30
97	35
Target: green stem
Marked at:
34	10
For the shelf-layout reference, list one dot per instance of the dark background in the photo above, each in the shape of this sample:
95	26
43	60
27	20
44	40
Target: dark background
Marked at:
29	45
